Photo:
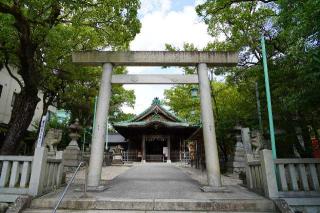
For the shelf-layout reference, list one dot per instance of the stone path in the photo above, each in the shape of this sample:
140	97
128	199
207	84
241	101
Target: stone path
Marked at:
153	180
156	186
156	181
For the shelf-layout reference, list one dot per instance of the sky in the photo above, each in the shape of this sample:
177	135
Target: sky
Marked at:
164	21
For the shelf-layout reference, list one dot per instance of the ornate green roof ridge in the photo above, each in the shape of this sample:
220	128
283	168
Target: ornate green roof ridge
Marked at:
155	103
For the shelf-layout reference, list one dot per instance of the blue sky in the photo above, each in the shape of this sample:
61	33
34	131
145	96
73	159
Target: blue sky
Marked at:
164	21
178	5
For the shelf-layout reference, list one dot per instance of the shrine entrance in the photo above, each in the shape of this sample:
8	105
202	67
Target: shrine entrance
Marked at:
199	59
156	149
156	134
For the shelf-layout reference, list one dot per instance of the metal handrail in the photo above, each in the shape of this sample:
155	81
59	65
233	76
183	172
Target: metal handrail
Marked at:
68	185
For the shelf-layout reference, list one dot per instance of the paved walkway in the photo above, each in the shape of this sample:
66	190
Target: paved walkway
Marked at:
156	181
153	180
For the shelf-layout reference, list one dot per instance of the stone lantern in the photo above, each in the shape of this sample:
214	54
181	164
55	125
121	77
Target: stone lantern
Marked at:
71	155
74	134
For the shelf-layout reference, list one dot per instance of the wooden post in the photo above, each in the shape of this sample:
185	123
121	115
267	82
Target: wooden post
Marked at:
143	149
169	149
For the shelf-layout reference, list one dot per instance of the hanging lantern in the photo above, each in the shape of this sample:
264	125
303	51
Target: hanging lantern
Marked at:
194	92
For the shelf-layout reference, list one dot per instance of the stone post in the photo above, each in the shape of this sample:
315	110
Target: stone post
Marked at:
249	158
246	140
169	150
59	155
39	164
209	133
236	161
99	131
268	173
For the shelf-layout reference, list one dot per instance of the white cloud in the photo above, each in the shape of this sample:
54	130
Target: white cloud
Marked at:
161	25
197	2
149	6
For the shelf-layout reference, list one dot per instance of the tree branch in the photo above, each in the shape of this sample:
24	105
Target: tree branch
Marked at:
12	75
228	4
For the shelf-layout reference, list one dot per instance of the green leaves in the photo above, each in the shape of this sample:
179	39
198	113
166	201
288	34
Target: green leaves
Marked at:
291	29
38	37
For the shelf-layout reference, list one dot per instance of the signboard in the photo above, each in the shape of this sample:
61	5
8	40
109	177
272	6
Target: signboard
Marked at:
42	130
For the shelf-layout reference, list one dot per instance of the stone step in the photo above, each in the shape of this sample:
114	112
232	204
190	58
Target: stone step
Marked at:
214	205
118	211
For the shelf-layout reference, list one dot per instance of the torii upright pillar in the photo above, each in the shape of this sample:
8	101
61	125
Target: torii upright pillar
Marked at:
209	133
99	131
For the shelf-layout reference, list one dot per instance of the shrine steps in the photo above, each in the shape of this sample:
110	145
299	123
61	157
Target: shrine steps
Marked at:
120	211
156	205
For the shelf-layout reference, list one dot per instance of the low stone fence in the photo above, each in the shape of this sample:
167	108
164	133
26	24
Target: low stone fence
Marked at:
298	177
254	175
29	175
130	156
282	178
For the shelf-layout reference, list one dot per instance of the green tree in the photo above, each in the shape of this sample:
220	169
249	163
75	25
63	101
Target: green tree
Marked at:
232	104
37	38
291	30
231	107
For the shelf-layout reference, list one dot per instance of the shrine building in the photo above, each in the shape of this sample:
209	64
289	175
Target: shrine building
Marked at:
155	135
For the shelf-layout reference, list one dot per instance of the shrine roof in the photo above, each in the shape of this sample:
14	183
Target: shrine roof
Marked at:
156	113
146	123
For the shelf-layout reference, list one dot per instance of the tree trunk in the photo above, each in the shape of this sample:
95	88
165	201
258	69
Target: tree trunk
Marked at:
21	116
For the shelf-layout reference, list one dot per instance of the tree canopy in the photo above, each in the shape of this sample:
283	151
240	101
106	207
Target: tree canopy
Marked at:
291	30
38	37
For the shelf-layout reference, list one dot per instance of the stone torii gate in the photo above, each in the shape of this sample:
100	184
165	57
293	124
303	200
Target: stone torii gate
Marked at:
202	60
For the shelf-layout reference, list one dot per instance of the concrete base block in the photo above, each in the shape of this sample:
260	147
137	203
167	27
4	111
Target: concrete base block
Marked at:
215	189
168	161
117	162
21	203
71	158
4	207
283	206
51	153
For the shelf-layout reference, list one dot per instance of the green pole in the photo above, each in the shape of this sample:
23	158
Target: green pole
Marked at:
266	79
